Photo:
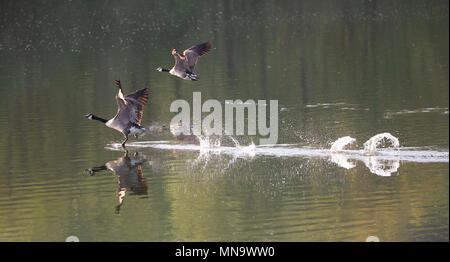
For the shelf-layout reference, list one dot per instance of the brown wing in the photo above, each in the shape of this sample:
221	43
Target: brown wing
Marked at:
141	187
135	104
129	108
141	96
194	52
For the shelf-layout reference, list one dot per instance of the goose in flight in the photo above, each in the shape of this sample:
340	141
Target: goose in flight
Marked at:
129	113
185	63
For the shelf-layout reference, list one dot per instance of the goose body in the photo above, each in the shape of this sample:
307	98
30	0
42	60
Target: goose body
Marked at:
185	63
129	113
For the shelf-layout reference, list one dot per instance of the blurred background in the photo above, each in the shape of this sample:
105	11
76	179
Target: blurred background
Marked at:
337	68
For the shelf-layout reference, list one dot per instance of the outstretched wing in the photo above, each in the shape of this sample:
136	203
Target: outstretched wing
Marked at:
135	104
194	52
130	108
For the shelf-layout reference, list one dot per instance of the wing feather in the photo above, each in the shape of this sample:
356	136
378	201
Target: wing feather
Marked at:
194	52
129	109
136	102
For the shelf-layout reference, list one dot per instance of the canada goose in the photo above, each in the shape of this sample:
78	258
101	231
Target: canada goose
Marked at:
129	175
129	113
185	63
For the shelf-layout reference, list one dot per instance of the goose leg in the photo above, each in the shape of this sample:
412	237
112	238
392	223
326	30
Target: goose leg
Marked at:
126	139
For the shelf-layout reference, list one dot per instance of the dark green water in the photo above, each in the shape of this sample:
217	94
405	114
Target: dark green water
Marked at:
337	68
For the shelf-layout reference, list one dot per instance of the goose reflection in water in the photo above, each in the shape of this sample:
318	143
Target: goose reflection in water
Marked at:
129	176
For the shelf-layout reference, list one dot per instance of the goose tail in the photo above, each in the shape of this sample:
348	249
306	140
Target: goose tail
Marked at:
193	77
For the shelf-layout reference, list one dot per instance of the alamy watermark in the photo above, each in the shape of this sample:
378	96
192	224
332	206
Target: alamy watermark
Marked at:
212	124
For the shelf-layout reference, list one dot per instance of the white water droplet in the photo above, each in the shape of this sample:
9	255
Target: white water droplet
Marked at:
370	146
339	144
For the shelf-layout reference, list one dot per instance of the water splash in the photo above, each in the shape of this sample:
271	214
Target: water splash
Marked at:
342	160
156	128
205	142
380	161
210	153
236	143
370	146
381	167
339	144
209	142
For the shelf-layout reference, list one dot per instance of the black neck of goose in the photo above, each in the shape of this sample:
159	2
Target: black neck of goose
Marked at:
164	70
93	170
99	119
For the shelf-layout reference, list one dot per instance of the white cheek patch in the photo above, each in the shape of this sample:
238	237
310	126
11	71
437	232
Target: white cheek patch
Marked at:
108	124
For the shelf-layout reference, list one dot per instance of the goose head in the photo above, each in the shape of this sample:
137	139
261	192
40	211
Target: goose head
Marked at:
89	116
161	69
90	171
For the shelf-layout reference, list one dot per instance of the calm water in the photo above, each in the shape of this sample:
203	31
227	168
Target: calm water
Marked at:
337	68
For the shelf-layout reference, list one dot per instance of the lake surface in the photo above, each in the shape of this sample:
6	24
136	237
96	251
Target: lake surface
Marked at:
337	69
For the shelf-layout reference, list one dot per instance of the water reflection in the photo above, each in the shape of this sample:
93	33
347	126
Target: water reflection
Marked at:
338	68
380	167
129	174
382	162
381	154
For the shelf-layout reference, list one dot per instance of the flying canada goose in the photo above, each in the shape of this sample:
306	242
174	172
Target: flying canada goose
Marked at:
185	63
129	175
129	113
